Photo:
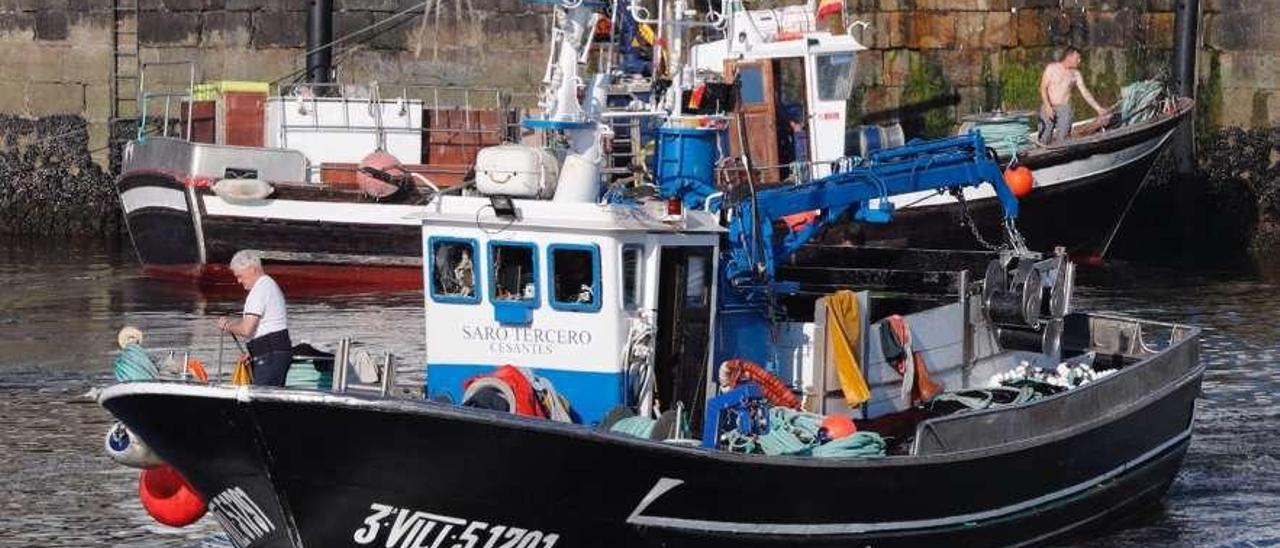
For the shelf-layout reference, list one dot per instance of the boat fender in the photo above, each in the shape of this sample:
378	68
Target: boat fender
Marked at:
381	175
1020	180
168	498
243	191
777	392
125	447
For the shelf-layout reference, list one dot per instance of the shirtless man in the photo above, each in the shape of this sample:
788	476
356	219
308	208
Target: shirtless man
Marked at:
1055	97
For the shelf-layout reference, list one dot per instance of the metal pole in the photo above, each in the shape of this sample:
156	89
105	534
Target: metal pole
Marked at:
319	33
1186	45
388	376
340	367
222	342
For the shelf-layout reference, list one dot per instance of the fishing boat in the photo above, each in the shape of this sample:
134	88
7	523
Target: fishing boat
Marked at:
1083	190
316	175
301	468
637	372
323	179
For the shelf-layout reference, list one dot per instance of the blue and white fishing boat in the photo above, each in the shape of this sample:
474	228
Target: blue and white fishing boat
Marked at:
655	369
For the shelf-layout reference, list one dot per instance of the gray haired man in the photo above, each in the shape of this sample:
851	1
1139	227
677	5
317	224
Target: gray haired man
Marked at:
264	321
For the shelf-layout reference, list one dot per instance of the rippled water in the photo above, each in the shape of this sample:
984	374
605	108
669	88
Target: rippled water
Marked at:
61	305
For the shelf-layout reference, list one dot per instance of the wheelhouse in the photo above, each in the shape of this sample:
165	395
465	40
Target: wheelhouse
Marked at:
558	288
793	84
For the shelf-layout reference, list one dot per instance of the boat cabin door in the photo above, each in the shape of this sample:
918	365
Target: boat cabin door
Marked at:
684	328
758	116
773	111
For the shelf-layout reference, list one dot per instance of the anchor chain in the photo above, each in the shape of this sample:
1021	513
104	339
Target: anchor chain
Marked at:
967	219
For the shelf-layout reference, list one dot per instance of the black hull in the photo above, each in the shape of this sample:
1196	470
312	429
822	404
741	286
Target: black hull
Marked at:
1082	193
177	237
1079	215
334	471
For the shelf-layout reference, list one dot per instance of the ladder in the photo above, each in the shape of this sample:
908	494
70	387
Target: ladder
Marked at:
125	62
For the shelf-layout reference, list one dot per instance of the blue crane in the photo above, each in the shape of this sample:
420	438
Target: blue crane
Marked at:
948	163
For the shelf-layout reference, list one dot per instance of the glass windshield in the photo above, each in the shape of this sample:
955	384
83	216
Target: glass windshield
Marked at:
835	76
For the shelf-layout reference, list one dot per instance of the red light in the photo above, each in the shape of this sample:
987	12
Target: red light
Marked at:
674	206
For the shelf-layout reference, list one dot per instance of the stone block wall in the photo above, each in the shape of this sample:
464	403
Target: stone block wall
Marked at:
984	54
57	54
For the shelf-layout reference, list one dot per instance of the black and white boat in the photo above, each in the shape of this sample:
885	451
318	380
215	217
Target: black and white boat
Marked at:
297	468
594	370
1083	190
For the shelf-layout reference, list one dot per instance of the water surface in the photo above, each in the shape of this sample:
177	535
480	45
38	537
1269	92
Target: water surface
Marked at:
61	305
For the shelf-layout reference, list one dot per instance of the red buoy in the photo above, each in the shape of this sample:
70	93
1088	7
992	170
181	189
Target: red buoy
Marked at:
838	426
167	496
1020	180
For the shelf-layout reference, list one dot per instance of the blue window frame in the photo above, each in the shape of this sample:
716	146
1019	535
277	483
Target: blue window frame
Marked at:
513	273
574	277
451	270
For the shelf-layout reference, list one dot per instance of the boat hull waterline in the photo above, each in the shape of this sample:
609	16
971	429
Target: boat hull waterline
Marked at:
291	468
185	233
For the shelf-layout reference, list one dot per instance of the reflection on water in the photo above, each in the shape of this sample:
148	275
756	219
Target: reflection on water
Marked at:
61	305
60	308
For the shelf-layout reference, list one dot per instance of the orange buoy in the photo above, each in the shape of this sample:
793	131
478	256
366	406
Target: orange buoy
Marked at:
838	426
1019	179
168	497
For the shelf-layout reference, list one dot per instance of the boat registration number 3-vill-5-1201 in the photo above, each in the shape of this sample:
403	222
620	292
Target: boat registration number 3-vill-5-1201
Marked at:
407	528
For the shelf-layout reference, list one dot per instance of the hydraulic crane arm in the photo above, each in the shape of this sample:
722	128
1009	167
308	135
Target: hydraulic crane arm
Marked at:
948	163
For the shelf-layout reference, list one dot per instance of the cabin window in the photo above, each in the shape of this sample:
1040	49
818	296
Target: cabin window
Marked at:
452	270
751	84
514	273
632	271
575	277
835	76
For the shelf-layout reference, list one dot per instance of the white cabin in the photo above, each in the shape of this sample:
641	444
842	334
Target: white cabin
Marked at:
560	287
787	69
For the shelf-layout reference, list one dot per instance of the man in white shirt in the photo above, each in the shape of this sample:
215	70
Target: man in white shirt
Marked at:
264	322
1055	97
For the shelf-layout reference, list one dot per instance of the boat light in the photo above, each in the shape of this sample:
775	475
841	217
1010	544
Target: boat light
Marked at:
503	207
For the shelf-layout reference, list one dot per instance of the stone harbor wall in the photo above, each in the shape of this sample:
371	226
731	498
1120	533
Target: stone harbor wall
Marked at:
49	183
931	62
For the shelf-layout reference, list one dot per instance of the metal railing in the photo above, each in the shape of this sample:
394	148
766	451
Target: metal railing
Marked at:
432	98
145	98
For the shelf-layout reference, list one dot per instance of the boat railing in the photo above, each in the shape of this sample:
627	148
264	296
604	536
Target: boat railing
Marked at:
470	102
731	170
147	100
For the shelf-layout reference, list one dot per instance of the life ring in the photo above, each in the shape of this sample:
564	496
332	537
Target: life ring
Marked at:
777	392
520	395
168	498
125	447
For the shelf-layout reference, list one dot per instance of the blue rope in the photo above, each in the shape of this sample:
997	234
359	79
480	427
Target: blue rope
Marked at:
640	427
797	433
